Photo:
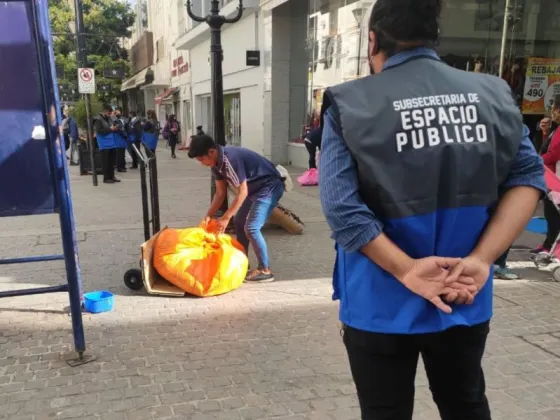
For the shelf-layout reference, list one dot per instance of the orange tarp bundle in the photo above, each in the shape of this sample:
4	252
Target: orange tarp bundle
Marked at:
200	262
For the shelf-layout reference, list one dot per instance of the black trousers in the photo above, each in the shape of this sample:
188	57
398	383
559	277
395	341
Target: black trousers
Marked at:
120	158
173	139
384	371
312	150
553	223
108	157
133	154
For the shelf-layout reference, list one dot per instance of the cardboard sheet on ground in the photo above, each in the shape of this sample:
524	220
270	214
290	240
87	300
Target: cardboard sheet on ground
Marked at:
153	282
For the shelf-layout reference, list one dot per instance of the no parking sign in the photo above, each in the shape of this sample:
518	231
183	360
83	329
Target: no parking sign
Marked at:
86	80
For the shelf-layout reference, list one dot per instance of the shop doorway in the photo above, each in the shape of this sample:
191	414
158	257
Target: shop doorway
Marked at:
232	117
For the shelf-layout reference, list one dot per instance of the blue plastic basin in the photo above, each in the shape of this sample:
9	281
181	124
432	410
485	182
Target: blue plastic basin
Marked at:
537	225
97	302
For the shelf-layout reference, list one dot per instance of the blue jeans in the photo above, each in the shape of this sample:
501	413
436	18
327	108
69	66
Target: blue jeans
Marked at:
250	220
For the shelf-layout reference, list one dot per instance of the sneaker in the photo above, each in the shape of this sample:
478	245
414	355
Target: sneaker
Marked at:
108	181
504	273
116	180
259	276
538	250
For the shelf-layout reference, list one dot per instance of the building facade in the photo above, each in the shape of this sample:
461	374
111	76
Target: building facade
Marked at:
141	56
160	78
518	40
243	80
282	55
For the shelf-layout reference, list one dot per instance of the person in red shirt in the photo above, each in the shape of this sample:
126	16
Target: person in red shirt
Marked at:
550	153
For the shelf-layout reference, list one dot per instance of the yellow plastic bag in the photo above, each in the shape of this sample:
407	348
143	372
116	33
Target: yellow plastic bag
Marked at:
200	262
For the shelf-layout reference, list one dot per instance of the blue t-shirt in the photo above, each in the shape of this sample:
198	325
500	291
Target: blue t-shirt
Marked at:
238	164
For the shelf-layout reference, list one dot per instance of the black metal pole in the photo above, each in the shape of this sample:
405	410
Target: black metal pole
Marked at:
154	188
82	61
144	191
215	21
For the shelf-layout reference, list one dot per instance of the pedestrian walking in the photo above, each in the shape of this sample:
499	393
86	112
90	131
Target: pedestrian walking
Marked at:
171	133
427	177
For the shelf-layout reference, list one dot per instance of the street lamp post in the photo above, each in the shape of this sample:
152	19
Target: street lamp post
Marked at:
215	21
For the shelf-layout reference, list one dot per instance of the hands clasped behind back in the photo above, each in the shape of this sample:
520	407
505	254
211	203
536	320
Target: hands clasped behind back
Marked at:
444	281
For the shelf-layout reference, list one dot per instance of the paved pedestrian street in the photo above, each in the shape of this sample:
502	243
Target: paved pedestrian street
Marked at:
262	352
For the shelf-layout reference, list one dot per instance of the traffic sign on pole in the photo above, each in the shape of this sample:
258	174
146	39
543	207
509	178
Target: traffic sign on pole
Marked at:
86	80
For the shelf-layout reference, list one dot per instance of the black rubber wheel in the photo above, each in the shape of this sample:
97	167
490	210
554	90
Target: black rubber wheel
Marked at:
133	279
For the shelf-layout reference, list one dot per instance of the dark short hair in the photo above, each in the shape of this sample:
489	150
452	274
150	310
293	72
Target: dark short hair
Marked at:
133	113
107	108
199	127
405	21
118	109
201	145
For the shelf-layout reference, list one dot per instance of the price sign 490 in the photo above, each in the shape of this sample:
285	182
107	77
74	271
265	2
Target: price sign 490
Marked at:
535	89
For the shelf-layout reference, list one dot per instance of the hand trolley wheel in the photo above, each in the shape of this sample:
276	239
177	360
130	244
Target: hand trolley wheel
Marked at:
133	279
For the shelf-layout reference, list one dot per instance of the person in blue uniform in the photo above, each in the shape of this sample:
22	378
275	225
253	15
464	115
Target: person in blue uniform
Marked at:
151	129
134	129
121	139
427	176
105	132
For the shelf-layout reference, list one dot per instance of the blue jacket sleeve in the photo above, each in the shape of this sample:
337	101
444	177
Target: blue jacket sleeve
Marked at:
352	223
527	169
73	129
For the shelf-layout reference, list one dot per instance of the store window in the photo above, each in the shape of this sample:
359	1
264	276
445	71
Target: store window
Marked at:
518	40
336	47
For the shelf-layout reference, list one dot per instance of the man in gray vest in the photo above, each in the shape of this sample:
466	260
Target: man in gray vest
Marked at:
427	177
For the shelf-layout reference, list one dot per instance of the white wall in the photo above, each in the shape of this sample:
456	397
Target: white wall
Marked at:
252	114
248	80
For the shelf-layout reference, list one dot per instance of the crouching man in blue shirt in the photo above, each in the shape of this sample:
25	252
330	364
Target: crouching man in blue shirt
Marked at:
427	177
258	186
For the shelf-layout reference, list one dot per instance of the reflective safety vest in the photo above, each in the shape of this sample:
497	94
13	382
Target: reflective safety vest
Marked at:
432	144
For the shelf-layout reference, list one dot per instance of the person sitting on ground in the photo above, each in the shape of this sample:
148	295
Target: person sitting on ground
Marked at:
259	187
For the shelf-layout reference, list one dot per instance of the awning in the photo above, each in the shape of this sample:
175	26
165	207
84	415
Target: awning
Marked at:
159	99
140	78
156	84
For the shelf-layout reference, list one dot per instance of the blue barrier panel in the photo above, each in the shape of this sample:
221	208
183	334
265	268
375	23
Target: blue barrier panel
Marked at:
33	170
26	179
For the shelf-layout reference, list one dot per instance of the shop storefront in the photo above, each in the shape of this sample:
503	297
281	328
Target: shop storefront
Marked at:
518	40
133	88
